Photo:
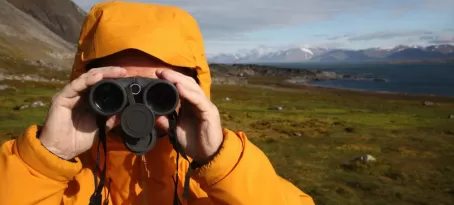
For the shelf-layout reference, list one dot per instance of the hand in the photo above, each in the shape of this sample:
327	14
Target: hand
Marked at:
198	126
70	126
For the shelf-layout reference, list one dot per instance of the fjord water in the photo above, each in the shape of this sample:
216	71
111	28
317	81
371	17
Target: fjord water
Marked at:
430	79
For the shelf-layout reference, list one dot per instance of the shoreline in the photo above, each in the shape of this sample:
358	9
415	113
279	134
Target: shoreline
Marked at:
381	92
340	90
282	76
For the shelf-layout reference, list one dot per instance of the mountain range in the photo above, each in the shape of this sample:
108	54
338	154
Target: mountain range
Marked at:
314	54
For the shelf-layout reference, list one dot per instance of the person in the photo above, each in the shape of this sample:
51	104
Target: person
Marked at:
56	163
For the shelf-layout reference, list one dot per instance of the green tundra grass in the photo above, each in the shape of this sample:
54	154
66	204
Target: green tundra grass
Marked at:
311	141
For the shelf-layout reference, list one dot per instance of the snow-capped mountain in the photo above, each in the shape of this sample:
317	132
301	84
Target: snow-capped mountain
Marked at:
302	54
441	48
289	55
268	55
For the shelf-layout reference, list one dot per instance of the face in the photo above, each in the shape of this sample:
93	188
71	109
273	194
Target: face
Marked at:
137	64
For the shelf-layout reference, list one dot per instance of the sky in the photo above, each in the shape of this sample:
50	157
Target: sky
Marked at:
233	26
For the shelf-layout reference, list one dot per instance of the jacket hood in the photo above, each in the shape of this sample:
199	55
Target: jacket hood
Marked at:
165	32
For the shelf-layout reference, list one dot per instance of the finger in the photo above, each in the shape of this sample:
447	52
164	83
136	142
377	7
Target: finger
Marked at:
90	78
162	122
112	122
187	87
179	78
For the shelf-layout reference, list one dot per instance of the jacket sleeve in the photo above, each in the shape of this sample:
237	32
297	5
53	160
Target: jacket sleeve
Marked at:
31	174
242	174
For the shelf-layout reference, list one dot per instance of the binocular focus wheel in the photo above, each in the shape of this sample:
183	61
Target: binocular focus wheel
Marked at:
137	120
141	145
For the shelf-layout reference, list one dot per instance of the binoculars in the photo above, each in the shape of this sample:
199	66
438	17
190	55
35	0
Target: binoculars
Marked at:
138	100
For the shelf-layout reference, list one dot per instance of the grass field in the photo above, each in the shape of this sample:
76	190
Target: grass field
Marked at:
311	141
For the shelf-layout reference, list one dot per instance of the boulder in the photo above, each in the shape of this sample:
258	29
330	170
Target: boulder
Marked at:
4	87
37	104
364	159
32	105
349	129
279	108
428	103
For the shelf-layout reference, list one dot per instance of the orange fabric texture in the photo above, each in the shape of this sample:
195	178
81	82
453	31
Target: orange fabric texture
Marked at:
239	174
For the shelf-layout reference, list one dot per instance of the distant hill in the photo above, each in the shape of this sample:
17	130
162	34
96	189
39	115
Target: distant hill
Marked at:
41	32
417	54
314	54
342	55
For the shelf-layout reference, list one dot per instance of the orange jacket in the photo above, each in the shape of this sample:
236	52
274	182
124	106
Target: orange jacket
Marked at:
239	174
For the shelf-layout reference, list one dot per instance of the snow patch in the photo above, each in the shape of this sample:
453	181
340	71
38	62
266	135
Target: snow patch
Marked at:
306	50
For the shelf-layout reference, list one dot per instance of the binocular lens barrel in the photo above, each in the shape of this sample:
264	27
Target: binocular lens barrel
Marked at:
161	97
109	97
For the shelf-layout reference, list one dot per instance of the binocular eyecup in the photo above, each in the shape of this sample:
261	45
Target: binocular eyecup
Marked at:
139	100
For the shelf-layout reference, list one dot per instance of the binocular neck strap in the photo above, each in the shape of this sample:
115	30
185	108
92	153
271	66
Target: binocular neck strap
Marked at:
177	147
96	197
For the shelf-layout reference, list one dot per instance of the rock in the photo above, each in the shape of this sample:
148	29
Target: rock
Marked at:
349	129
276	108
428	103
248	72
24	78
298	80
3	87
298	134
32	105
326	75
37	104
229	80
294	75
21	107
451	116
364	159
227	99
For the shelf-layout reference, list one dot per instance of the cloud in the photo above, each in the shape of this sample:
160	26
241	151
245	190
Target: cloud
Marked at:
218	19
402	8
425	38
438	5
232	25
444	39
339	37
387	35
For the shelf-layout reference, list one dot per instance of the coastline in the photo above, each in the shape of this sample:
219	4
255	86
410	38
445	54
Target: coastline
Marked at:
363	92
310	77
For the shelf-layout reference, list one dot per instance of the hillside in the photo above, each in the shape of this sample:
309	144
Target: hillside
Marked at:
62	17
26	40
